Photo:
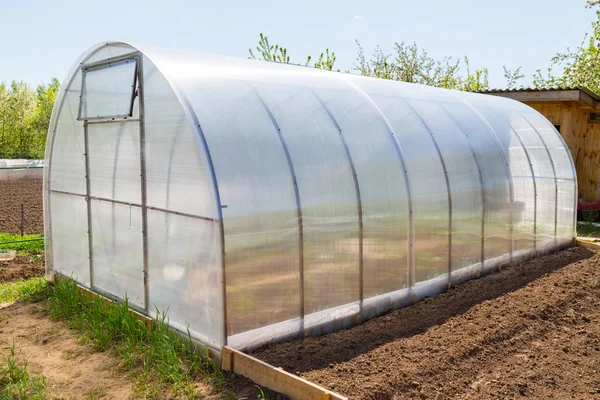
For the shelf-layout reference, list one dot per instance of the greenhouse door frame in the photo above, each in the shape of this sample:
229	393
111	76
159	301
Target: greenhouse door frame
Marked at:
137	91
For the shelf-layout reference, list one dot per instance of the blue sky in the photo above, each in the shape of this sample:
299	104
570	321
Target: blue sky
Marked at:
41	39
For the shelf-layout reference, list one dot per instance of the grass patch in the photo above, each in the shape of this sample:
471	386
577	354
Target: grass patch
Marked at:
588	229
36	247
33	289
162	363
16	382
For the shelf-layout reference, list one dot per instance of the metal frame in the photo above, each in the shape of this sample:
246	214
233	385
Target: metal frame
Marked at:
358	199
509	176
140	93
137	92
88	201
448	188
298	203
481	183
410	260
553	171
108	63
535	193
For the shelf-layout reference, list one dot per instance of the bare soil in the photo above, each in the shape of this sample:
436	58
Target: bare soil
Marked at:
12	195
21	268
532	330
72	370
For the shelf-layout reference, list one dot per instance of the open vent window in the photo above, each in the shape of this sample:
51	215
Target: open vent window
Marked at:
109	89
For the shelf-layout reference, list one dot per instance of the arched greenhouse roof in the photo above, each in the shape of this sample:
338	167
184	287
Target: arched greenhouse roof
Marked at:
256	201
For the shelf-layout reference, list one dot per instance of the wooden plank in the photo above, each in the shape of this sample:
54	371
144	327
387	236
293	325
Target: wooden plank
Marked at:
592	169
276	379
588	244
587	99
566	128
580	126
542	95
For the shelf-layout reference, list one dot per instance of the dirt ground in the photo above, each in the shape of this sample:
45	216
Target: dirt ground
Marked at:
12	195
22	267
532	330
71	370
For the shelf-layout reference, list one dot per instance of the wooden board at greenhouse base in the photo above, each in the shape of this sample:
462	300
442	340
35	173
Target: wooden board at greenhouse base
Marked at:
530	330
12	195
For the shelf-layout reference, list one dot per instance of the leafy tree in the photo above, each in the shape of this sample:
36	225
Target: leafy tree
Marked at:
276	53
268	52
579	67
24	118
326	60
412	64
512	76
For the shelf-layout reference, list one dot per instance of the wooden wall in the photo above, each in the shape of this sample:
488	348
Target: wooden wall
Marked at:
583	139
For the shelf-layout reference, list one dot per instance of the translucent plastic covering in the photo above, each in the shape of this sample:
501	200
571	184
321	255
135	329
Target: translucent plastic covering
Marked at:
254	201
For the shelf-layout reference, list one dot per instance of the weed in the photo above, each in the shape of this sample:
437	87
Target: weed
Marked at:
96	393
161	360
261	394
16	382
29	290
588	229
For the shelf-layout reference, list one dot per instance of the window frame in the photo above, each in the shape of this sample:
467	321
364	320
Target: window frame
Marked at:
108	63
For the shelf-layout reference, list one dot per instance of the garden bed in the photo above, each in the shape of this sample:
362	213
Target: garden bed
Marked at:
12	195
529	330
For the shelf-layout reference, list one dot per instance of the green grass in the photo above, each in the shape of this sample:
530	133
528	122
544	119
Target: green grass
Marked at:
33	289
16	382
162	363
588	230
35	247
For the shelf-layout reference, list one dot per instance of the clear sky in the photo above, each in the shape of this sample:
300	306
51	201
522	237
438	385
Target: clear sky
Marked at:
40	39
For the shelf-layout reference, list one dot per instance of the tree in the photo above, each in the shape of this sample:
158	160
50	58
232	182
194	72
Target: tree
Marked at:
276	53
267	52
24	118
512	77
579	67
412	64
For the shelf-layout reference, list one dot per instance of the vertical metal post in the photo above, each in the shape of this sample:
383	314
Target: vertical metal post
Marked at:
535	194
553	171
140	80
88	200
481	184
358	200
298	203
410	260
449	190
22	219
511	189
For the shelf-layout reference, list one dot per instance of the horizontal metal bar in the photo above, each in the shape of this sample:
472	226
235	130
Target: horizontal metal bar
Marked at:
139	205
101	120
108	118
68	193
21	241
111	60
182	214
543	177
19	168
125	203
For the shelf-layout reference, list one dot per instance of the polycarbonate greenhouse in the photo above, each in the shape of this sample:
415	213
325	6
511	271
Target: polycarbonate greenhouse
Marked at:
256	201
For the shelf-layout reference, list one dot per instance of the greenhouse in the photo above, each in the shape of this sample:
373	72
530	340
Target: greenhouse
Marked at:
254	201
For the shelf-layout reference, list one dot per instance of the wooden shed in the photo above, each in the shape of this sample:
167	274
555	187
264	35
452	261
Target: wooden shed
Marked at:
575	112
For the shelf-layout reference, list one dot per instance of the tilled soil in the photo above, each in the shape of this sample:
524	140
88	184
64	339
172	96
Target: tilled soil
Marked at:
21	268
530	330
12	195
